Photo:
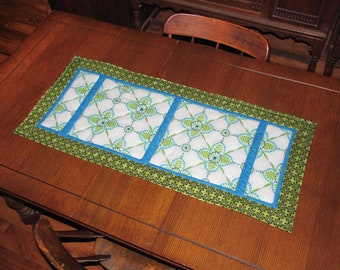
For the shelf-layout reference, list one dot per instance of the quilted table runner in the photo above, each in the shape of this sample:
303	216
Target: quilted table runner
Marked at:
220	150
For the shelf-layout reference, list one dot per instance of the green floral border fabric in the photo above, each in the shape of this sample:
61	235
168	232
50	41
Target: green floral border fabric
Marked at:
281	217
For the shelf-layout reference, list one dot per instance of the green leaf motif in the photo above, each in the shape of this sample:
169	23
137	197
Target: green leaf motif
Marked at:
82	90
268	146
132	106
207	128
97	130
245	139
201	117
100	96
270	174
211	166
187	122
119	144
125	88
146	135
93	119
204	154
178	163
168	142
231	119
60	108
226	159
219	148
150	111
108	114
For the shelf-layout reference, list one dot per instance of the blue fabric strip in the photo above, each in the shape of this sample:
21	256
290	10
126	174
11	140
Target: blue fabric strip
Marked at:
248	165
162	129
83	105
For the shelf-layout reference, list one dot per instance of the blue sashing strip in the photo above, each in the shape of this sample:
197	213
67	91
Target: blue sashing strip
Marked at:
60	98
244	177
83	106
249	163
160	133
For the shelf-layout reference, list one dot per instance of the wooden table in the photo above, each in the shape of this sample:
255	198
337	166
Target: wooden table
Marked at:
157	220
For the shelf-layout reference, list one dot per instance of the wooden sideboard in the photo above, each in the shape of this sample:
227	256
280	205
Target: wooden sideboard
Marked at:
307	21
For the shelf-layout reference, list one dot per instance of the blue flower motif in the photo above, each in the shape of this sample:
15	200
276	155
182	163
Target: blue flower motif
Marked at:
102	122
197	125
215	157
142	108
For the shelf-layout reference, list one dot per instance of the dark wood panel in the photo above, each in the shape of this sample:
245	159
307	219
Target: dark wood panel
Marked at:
317	14
113	11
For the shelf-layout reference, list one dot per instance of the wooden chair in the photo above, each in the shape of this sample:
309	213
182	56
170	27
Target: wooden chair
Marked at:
52	248
221	32
50	244
115	256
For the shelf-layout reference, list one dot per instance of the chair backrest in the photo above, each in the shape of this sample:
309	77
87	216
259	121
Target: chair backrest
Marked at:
221	32
50	245
107	253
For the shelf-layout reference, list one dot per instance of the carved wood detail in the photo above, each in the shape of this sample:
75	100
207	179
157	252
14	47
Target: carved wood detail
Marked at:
27	214
256	5
306	19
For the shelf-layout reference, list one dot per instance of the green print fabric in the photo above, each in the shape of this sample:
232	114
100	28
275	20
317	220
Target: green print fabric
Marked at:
213	148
